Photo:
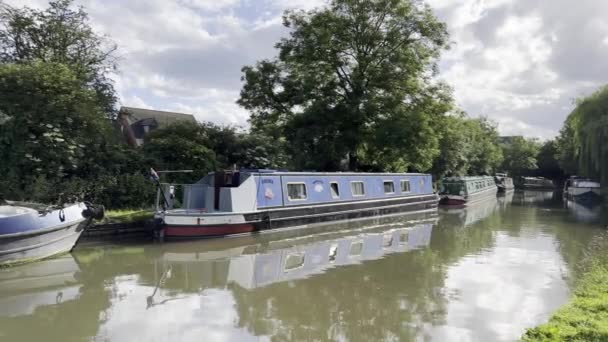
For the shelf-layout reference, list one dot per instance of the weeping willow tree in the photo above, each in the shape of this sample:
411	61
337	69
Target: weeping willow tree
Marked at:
583	141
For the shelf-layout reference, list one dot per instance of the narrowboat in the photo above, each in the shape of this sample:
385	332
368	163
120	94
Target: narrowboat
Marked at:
503	182
460	191
236	202
582	189
30	232
537	183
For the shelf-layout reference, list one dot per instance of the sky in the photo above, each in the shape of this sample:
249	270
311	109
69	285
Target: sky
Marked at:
521	63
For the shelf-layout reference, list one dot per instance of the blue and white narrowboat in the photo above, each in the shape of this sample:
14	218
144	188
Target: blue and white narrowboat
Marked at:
235	202
582	189
461	191
30	232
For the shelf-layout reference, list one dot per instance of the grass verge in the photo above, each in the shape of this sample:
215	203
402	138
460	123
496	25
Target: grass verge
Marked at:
125	216
585	316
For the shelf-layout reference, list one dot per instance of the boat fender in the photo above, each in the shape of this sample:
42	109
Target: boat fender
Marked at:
61	215
96	212
267	220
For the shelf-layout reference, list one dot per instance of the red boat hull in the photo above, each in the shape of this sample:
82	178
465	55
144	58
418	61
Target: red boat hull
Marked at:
207	231
452	201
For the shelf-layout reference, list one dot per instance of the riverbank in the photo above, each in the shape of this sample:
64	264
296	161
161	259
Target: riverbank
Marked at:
122	223
585	316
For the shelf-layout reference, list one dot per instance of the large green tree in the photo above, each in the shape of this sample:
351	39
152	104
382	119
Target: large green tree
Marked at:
60	34
468	146
353	87
520	156
55	104
51	123
548	165
582	140
207	147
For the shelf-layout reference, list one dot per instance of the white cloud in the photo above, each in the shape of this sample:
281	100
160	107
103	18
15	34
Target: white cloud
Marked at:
519	62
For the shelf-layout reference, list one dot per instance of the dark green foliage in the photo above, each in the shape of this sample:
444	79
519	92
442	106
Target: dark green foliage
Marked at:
467	147
207	147
181	146
60	35
520	157
54	122
548	165
582	142
351	88
56	140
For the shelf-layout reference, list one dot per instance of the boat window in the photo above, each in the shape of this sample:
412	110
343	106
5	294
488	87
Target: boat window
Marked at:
333	252
405	186
296	191
357	188
449	188
403	237
387	240
294	261
356	248
389	187
335	191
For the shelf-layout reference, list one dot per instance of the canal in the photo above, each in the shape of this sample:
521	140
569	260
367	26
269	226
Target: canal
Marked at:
479	274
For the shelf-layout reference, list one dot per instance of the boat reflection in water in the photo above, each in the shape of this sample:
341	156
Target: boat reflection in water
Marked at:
473	213
589	212
254	265
533	196
27	288
506	198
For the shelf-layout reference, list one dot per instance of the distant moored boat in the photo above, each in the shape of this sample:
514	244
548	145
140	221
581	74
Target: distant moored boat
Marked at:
460	191
537	183
504	182
582	189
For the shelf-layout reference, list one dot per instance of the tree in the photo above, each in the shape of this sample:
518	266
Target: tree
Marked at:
60	35
485	154
207	147
353	82
568	146
582	140
181	146
53	122
548	165
520	156
467	147
56	141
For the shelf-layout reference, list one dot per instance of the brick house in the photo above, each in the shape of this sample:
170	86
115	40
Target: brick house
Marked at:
135	123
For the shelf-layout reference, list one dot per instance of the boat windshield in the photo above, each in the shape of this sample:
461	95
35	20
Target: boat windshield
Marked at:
453	188
586	184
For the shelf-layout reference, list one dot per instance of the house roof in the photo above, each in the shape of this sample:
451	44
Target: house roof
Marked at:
161	117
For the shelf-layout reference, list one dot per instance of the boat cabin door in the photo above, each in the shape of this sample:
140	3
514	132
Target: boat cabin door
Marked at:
223	179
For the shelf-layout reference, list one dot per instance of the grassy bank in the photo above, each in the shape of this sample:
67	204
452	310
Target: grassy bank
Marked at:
585	316
125	216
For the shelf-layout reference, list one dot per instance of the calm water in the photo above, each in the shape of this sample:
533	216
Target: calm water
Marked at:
480	274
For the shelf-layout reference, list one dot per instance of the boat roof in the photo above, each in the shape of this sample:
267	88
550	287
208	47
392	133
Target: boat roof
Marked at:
315	173
466	178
